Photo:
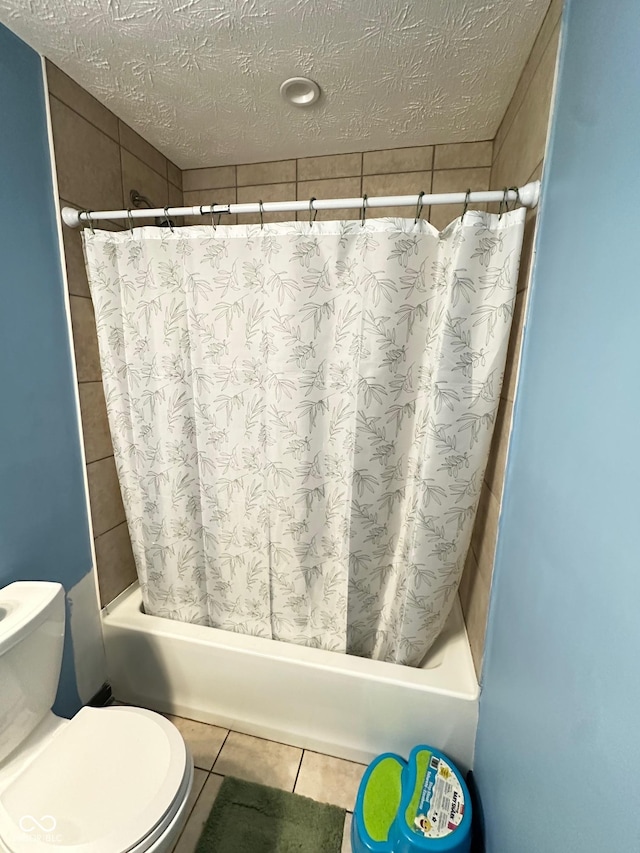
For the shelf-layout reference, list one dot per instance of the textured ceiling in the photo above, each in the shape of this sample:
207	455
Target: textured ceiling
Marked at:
199	78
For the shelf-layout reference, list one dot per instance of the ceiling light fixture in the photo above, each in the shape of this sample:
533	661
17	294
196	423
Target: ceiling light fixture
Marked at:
300	91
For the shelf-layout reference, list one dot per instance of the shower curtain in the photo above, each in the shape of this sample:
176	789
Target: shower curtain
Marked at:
301	416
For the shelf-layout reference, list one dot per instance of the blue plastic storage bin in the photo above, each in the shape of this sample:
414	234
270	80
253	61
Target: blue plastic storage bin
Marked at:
417	806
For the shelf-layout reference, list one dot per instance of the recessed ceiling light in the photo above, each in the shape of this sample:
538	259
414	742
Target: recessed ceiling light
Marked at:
300	91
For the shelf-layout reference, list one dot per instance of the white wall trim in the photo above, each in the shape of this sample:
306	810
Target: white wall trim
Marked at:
88	647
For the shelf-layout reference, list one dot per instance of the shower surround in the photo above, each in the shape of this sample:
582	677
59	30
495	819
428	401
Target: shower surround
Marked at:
514	158
301	414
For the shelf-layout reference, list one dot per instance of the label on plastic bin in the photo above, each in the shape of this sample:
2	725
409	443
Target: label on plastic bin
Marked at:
437	809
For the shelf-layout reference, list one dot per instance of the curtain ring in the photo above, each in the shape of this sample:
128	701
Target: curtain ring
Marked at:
213	216
517	201
364	210
419	207
504	204
312	210
466	204
130	218
169	222
261	213
87	213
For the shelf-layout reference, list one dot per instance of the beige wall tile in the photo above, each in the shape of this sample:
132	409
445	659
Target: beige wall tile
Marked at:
137	175
474	597
515	345
468	580
142	149
523	146
334	166
115	566
401	183
266	192
74	96
418	159
85	339
494	474
87	161
452	181
95	424
526	256
174	175
329	780
107	510
74	260
258	760
485	531
334	188
204	741
547	30
175	196
463	155
226	195
208	179
278	172
190	835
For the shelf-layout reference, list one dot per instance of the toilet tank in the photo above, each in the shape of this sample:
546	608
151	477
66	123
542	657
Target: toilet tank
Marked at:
31	640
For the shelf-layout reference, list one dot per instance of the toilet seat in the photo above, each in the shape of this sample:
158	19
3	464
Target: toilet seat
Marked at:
109	781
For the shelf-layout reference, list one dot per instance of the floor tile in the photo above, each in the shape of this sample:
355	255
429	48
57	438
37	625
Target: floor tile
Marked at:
191	833
329	780
199	778
346	837
204	740
258	760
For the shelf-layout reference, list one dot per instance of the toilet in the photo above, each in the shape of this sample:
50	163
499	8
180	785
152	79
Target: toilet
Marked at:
109	780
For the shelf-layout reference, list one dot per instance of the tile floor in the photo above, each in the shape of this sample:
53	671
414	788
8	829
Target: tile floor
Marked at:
218	752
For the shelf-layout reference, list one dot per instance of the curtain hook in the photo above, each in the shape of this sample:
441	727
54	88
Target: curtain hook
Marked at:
466	203
419	207
517	201
312	210
364	210
503	203
261	213
213	216
89	220
169	222
130	218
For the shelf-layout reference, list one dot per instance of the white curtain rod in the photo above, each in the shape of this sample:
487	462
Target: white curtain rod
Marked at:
526	196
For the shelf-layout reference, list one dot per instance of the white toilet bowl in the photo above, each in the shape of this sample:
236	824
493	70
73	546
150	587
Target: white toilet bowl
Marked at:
111	780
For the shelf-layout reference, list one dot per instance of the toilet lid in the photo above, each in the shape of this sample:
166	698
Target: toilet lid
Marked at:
101	785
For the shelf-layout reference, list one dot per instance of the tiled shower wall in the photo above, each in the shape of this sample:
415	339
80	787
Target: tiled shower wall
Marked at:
99	159
399	171
518	154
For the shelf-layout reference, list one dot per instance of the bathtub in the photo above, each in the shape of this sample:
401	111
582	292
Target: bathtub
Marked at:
336	704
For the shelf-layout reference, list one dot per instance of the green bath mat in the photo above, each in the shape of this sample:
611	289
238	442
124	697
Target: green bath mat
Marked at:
250	818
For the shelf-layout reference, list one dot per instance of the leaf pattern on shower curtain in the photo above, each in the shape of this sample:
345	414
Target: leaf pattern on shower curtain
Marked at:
301	418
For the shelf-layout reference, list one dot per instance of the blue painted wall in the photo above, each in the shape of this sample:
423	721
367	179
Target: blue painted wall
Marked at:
44	532
558	747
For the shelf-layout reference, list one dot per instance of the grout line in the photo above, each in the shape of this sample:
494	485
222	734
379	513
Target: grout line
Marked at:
115	139
541	163
102	458
220	752
295	782
122	178
111	528
361	175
